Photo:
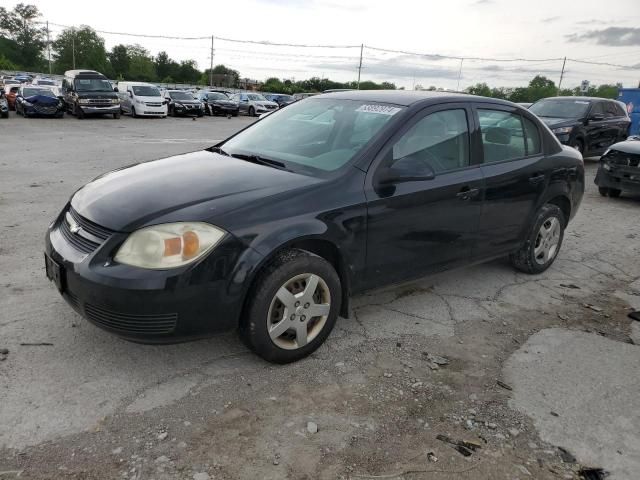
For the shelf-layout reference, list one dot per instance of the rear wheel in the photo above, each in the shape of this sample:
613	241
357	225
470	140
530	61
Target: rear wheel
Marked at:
604	191
292	307
543	242
614	192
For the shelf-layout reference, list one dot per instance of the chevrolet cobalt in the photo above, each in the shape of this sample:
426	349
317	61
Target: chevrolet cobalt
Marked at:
272	230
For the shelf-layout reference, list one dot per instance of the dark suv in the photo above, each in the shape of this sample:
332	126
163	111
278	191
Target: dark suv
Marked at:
272	229
87	92
590	125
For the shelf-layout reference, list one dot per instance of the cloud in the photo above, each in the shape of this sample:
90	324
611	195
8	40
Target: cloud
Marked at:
550	19
611	36
520	69
397	67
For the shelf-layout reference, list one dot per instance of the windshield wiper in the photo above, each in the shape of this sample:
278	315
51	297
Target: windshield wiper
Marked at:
218	150
260	160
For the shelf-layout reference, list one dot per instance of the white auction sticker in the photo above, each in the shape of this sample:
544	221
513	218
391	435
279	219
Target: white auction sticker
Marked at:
381	109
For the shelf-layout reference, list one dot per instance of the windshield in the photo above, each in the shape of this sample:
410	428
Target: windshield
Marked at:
92	85
560	108
46	82
181	96
145	91
317	135
30	92
217	96
256	97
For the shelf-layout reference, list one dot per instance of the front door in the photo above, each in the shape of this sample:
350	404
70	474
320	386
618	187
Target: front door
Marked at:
416	227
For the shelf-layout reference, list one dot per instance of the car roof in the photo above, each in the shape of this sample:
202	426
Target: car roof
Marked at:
582	99
408	97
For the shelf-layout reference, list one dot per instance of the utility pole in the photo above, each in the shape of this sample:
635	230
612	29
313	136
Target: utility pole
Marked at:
360	65
561	74
49	47
73	46
459	75
211	68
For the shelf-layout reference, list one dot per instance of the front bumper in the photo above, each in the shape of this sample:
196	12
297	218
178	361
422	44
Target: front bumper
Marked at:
152	306
95	110
188	110
619	178
224	109
147	111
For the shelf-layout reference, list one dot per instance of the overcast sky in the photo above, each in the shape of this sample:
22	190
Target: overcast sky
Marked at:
603	31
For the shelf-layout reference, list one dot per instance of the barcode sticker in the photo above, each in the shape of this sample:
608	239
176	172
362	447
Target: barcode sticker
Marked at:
380	109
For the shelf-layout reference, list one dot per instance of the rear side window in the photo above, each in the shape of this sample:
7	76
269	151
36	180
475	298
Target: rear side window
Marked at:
502	135
612	110
440	139
597	109
533	137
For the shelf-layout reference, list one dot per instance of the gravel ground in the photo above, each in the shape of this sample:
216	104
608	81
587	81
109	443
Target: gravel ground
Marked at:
537	375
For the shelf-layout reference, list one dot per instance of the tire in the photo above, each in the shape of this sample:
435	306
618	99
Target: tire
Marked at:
604	191
133	112
578	144
614	192
528	259
79	113
291	272
234	114
116	116
252	112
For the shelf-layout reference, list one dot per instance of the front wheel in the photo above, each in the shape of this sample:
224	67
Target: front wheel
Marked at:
543	242
116	116
292	307
578	144
604	191
614	192
252	112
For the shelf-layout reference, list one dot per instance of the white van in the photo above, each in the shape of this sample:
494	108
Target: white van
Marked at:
141	99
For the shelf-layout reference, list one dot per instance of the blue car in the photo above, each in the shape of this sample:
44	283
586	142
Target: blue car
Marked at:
38	101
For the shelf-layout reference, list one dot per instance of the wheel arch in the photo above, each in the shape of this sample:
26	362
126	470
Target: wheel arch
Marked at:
316	245
563	203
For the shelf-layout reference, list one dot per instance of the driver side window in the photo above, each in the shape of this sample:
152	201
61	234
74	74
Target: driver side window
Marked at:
440	139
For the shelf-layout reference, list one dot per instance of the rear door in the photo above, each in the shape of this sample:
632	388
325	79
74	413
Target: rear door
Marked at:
598	129
515	177
422	226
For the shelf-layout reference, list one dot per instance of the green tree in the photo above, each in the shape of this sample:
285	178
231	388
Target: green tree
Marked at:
188	72
141	65
541	87
20	25
480	89
6	64
120	61
85	45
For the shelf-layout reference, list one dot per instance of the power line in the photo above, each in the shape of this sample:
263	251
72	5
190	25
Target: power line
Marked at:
606	64
454	57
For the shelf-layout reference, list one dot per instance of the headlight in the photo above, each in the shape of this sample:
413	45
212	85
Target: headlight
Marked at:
115	101
140	102
168	245
561	130
83	101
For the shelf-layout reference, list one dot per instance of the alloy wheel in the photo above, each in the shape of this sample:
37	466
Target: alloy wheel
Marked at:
299	311
547	241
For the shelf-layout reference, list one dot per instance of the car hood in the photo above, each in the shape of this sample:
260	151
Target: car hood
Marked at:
223	102
198	186
553	122
631	145
42	99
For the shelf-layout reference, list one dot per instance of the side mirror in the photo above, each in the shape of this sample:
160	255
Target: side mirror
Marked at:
406	169
115	89
130	94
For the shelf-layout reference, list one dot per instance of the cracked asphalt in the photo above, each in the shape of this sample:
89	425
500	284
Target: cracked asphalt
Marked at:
539	373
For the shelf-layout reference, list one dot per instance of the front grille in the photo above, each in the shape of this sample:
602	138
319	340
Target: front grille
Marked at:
270	107
78	239
153	324
152	104
94	229
100	101
45	109
616	157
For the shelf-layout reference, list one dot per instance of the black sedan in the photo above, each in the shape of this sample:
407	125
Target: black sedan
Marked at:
181	103
272	230
217	103
619	169
590	125
38	101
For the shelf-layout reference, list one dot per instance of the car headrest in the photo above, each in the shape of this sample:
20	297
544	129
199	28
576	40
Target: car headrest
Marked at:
499	135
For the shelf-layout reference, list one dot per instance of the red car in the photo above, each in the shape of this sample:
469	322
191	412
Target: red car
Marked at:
11	91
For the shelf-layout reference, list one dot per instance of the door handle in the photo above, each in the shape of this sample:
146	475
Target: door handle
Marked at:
467	193
536	179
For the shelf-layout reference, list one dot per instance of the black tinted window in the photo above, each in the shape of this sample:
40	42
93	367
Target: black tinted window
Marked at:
597	109
440	139
611	110
502	135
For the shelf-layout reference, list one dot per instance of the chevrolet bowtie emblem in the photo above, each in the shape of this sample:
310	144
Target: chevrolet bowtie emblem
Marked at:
74	227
